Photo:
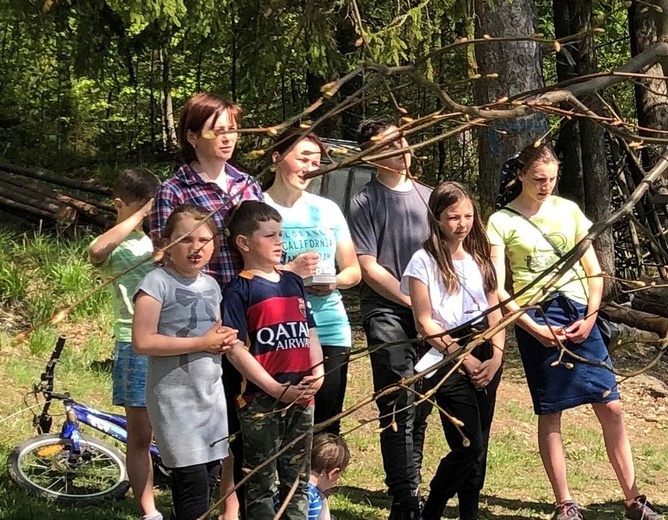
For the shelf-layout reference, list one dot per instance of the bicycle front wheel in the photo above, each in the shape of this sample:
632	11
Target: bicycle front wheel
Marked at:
46	466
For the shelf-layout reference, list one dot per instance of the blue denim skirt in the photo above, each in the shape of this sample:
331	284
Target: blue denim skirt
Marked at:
557	388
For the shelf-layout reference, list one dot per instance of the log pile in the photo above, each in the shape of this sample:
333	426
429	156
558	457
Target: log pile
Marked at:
39	195
653	298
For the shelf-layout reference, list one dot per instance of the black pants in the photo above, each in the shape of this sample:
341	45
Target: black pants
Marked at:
329	399
192	487
401	449
462	471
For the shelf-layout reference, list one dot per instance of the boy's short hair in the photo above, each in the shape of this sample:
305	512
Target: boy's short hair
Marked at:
329	452
370	128
246	218
136	185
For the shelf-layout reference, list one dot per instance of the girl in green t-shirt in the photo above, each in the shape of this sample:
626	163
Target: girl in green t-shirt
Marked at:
531	231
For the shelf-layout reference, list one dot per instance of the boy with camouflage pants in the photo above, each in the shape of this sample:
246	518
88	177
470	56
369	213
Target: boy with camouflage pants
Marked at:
280	359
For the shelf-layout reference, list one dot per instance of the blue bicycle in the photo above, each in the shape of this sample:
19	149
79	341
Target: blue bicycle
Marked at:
70	467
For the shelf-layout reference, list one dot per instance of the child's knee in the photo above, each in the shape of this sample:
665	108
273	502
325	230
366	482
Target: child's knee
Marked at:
610	411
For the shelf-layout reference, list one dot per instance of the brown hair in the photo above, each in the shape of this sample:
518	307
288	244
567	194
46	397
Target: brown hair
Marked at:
476	243
247	216
285	142
194	115
532	154
510	188
196	212
136	185
329	452
370	128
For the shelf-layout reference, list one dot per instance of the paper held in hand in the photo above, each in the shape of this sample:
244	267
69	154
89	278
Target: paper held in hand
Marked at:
320	279
427	361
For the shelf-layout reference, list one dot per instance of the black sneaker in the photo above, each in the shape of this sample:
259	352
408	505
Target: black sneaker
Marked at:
641	509
567	511
409	510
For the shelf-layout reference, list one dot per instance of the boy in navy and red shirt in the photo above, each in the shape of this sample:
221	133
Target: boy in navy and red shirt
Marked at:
280	359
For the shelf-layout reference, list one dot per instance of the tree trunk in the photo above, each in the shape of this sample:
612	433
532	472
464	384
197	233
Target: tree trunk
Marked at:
518	65
345	43
652	299
60	180
151	98
571	183
64	58
235	57
651	95
592	143
167	107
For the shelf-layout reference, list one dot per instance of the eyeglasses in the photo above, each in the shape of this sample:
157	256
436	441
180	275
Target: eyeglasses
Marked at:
211	134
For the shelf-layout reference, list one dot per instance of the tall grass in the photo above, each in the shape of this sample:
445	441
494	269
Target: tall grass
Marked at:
41	273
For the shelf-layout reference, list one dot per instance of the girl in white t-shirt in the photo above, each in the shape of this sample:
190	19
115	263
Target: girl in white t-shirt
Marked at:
451	280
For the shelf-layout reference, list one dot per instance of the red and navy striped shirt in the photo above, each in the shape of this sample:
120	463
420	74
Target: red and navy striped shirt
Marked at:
273	319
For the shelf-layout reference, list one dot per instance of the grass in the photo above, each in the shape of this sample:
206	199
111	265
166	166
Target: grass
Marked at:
51	274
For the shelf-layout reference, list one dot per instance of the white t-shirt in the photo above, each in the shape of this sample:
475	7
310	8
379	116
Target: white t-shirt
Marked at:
448	310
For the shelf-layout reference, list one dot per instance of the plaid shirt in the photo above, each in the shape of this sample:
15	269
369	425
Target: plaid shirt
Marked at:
187	187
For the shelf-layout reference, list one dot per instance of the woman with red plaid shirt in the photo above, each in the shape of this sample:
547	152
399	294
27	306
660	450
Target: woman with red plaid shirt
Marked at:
207	134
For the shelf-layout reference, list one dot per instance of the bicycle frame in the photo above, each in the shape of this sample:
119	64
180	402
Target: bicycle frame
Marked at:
111	424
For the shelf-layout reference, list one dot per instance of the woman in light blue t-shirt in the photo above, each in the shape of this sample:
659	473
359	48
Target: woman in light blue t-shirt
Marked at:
316	224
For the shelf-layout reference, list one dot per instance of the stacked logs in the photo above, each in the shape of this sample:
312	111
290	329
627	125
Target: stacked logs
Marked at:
45	196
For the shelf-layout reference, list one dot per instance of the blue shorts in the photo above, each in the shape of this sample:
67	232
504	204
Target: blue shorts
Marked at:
129	380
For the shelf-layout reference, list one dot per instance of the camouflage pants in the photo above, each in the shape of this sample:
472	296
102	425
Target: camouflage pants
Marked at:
265	432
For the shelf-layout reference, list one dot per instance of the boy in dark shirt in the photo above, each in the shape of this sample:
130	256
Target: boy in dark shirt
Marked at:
280	360
388	223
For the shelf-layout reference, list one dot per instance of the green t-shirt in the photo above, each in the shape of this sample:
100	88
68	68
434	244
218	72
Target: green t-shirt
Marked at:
530	254
133	250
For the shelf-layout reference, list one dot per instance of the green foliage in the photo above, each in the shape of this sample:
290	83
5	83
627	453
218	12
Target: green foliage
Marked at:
85	82
41	274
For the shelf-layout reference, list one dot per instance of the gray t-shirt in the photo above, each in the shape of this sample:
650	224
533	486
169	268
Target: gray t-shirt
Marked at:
184	394
389	225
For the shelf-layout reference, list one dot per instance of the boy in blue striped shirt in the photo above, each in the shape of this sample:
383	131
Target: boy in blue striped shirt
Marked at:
329	458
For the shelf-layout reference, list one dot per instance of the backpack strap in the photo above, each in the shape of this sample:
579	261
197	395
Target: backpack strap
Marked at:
554	246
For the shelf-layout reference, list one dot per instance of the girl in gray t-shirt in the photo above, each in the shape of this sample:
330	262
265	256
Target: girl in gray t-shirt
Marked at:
177	324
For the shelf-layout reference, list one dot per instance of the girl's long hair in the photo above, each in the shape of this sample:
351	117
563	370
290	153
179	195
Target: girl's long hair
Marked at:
476	243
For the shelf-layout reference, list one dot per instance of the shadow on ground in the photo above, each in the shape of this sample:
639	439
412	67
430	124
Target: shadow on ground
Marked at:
490	505
105	365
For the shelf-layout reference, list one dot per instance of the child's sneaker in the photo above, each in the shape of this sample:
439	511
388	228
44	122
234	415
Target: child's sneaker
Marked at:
641	509
567	511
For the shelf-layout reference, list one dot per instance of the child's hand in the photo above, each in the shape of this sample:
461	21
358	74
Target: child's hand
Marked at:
290	394
486	372
228	338
546	335
218	338
305	264
312	382
471	364
579	331
321	289
146	208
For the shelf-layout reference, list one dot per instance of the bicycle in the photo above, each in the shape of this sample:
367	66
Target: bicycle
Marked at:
69	468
